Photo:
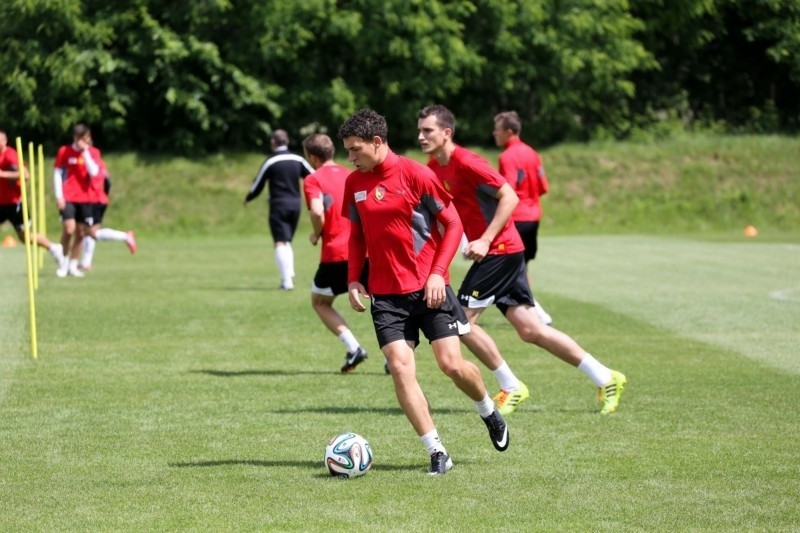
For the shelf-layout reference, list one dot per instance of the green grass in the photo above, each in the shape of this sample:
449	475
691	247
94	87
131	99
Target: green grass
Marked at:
179	389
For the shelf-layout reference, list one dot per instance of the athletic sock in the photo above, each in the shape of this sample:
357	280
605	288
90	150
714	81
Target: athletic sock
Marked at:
596	371
88	245
485	406
432	442
349	341
108	234
290	265
506	378
283	256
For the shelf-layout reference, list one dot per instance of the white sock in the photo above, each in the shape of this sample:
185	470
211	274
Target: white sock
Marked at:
543	315
432	442
87	254
73	264
596	371
108	234
349	340
285	259
485	407
290	267
506	378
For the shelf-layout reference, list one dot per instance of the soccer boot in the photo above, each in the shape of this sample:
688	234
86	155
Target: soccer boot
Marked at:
352	360
507	402
610	394
498	430
440	464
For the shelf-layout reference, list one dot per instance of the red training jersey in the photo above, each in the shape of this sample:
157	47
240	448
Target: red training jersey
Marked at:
522	167
396	211
10	193
474	184
327	184
98	191
77	186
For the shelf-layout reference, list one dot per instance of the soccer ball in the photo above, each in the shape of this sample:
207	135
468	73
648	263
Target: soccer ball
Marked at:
348	455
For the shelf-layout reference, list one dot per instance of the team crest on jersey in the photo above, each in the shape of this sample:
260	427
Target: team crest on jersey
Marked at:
447	185
360	196
379	193
501	246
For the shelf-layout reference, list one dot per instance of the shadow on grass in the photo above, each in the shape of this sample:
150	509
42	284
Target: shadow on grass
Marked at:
240	373
312	465
338	410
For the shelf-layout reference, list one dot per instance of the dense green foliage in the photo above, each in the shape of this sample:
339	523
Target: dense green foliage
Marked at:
196	76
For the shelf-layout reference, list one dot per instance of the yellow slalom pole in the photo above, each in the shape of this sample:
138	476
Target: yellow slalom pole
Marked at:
40	201
23	187
34	221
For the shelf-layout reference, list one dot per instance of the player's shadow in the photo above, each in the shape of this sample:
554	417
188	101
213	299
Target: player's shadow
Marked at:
344	410
241	373
310	465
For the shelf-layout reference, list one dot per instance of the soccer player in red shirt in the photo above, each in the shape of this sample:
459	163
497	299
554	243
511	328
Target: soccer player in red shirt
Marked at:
74	168
485	202
11	199
522	167
101	185
396	208
324	190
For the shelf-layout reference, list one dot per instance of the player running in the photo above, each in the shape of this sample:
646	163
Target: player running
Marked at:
402	218
485	201
324	190
11	199
101	186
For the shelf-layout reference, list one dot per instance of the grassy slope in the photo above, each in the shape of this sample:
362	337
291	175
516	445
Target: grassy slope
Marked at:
713	185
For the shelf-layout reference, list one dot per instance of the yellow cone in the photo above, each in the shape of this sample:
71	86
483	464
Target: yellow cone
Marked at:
9	241
750	231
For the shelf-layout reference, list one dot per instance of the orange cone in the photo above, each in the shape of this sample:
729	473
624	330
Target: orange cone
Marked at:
9	241
750	231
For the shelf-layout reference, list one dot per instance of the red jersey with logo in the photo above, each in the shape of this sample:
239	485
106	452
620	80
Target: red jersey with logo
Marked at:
396	212
474	183
327	184
77	186
98	192
522	167
10	193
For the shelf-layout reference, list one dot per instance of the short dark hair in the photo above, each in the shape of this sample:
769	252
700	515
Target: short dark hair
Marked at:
509	120
444	117
280	138
365	124
320	145
80	130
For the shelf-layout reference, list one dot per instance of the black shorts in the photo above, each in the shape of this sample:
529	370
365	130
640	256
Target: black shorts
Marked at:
331	278
400	317
283	222
80	212
498	279
99	212
529	231
12	213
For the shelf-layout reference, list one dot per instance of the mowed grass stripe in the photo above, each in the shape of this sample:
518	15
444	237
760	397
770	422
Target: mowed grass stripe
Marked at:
717	292
183	393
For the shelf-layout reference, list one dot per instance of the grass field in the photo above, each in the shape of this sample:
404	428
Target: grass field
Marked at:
179	389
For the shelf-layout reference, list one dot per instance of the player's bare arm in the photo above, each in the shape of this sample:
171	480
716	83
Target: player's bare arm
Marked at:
507	200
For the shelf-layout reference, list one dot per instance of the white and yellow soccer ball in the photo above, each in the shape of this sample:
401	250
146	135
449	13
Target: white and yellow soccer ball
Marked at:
348	455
